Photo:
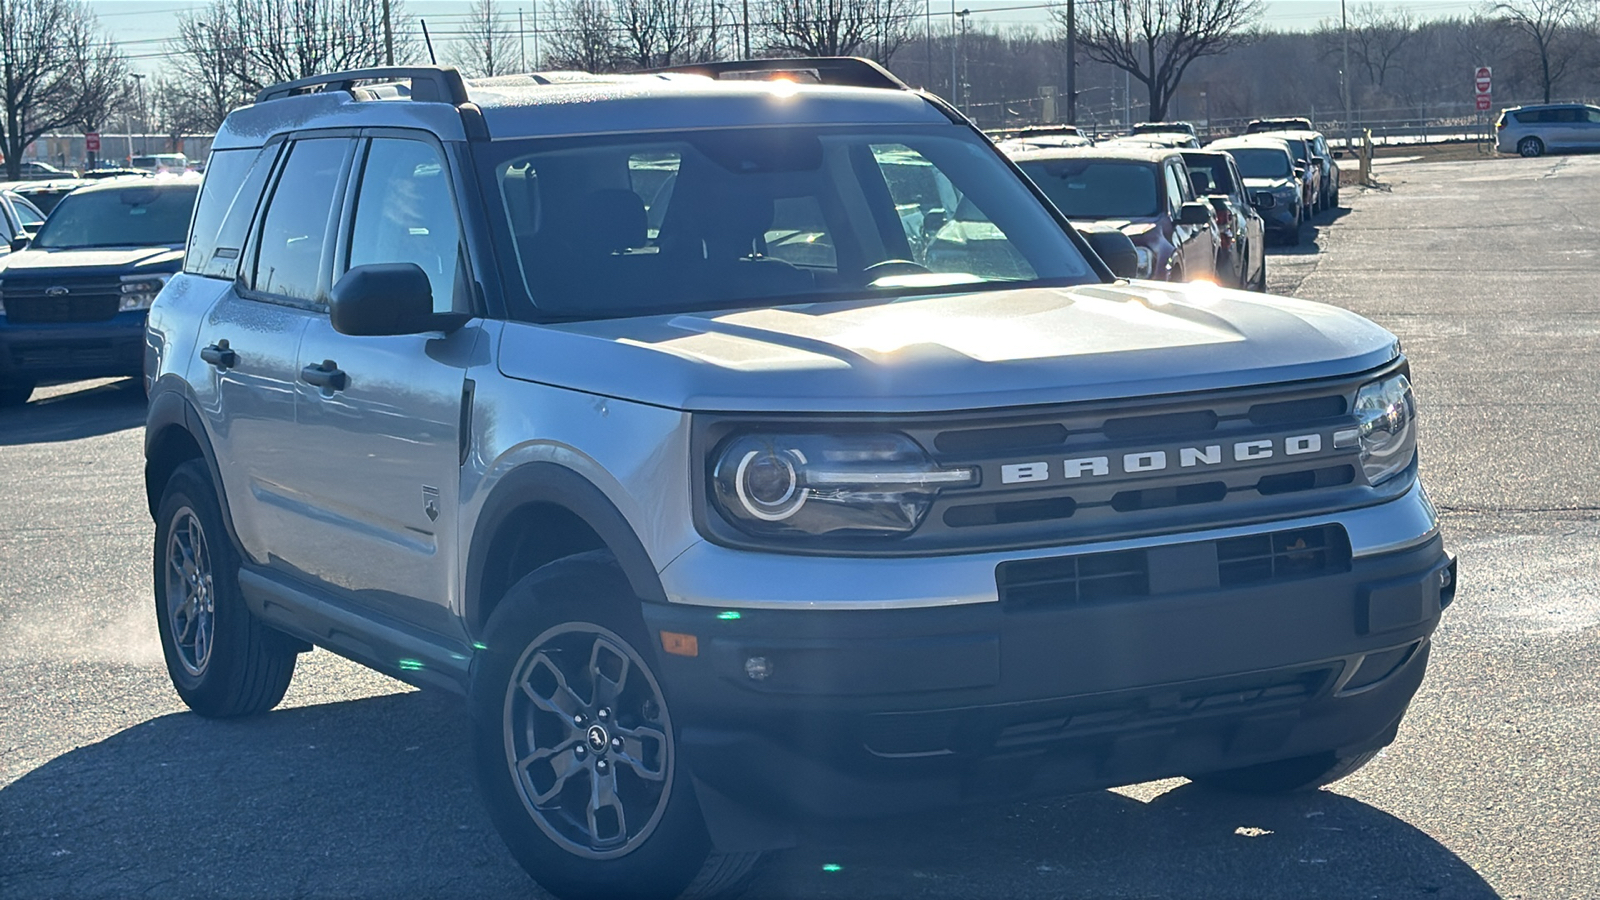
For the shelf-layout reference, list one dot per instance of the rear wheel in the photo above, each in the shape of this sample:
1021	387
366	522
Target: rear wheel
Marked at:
577	754
223	661
1304	773
1530	147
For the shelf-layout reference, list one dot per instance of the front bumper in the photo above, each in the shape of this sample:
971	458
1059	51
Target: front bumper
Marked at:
72	350
869	712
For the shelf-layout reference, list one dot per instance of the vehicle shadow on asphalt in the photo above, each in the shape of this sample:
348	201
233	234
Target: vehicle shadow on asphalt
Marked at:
1310	233
93	410
373	798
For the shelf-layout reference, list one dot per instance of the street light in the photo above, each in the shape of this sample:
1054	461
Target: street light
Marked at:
144	126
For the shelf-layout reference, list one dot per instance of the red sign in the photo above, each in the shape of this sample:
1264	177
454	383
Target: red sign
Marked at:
91	142
1481	79
1484	103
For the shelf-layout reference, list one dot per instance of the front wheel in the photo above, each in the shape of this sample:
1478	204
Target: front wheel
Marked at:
577	754
1530	147
1303	773
15	393
223	661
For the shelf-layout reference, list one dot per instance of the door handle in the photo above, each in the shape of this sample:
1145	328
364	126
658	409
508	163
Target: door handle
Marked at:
220	355
325	374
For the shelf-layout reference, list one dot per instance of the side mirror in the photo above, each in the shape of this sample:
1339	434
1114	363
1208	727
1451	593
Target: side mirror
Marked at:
1338	154
386	299
1115	249
1194	214
20	242
932	221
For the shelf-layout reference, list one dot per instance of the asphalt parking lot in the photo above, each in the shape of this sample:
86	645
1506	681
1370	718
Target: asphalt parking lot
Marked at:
357	787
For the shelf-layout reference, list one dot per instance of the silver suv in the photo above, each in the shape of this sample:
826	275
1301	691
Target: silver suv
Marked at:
754	450
1536	130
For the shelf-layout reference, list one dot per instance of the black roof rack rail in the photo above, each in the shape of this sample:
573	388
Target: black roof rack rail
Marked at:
847	71
429	84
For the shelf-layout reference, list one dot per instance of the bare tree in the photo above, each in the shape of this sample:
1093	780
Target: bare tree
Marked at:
56	72
204	87
1155	41
1550	31
660	32
487	47
875	28
281	40
582	38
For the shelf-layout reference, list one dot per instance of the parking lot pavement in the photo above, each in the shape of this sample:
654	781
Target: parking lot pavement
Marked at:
356	787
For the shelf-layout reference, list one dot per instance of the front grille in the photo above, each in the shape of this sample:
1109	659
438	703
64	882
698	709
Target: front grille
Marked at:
1066	581
980	731
1282	555
1052	476
39	302
77	355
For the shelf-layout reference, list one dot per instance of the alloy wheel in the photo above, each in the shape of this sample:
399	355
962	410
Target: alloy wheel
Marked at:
588	740
190	595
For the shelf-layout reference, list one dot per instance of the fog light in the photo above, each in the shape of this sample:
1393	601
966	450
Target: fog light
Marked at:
757	668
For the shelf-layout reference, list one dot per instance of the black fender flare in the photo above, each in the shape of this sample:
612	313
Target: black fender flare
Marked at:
171	408
557	485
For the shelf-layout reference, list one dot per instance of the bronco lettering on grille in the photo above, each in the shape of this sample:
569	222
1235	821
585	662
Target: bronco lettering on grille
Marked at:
1148	461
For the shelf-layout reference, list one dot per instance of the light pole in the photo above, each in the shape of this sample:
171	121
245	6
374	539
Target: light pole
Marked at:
746	29
1344	73
1072	63
144	125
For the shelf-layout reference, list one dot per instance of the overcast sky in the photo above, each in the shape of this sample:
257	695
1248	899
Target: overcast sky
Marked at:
142	27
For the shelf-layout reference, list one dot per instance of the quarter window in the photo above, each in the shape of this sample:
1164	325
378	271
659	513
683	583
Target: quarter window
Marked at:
406	212
296	225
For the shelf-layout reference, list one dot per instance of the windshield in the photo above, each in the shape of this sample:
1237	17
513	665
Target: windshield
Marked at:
141	216
720	218
1097	189
1261	162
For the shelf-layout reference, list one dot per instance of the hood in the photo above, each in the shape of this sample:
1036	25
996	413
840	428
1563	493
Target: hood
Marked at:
95	261
953	352
1267	184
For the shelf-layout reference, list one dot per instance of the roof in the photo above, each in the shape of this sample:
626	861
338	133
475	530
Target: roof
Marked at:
1251	140
146	182
1150	155
574	103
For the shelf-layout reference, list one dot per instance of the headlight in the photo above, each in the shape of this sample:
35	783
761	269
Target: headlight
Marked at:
1147	260
1387	433
139	291
813	484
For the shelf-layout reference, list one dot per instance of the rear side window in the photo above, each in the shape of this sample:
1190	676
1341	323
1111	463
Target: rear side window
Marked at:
225	175
295	227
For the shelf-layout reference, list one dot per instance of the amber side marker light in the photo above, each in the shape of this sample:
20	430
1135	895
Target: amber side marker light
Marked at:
680	644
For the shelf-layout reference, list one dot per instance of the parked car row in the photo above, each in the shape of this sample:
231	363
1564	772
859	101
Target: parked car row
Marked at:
1189	212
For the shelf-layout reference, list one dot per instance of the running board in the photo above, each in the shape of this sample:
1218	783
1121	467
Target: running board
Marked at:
372	639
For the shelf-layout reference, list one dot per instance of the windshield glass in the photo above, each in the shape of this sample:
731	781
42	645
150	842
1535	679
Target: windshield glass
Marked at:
1095	188
138	216
1261	162
643	224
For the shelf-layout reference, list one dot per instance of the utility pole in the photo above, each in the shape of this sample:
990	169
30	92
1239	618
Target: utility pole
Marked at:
746	29
1344	74
388	36
538	61
1072	62
144	123
522	44
955	95
928	21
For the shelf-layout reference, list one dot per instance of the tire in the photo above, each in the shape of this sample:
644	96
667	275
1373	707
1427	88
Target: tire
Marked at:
1261	280
1286	776
15	393
223	661
1292	236
541	692
1530	147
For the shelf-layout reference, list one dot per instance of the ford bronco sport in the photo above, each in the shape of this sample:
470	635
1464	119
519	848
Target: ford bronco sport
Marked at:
754	451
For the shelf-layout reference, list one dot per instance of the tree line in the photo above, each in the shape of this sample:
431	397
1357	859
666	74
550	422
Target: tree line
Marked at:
1201	59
